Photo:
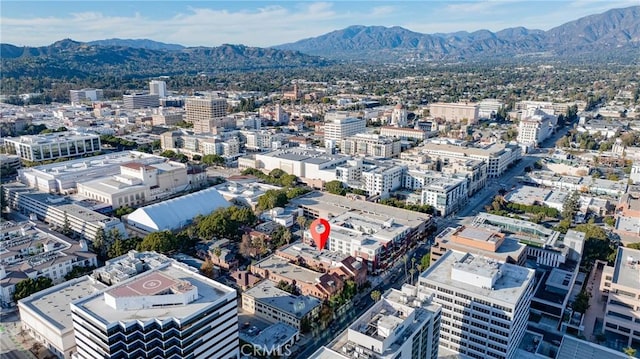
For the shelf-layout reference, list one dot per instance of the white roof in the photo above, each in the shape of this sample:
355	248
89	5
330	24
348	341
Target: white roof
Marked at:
177	212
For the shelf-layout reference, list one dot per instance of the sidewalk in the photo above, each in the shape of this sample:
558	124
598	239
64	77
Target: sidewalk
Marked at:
596	304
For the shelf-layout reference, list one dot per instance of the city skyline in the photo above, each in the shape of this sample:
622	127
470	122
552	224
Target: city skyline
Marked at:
264	24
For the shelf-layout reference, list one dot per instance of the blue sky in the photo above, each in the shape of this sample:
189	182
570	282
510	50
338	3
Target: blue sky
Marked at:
265	23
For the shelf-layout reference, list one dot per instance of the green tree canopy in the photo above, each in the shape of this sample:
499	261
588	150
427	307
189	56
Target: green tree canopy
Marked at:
335	187
28	286
161	242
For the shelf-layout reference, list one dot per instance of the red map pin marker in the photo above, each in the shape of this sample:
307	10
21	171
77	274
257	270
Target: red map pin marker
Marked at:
320	229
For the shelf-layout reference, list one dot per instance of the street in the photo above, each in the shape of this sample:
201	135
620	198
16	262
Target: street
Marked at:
464	217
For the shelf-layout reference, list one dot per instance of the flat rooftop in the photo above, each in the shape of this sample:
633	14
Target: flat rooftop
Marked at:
283	268
306	251
153	283
272	336
81	165
507	289
52	304
528	195
627	268
334	205
52	137
326	353
209	292
296	305
574	348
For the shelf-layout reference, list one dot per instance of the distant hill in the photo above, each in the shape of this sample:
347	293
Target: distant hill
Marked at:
68	58
615	30
137	44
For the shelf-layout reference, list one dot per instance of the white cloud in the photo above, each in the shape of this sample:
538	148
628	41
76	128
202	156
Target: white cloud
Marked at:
268	25
265	26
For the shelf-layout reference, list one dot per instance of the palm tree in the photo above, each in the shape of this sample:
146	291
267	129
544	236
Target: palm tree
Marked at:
301	222
375	295
412	271
405	258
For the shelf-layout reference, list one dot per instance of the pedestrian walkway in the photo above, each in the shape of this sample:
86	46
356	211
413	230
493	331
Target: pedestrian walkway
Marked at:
596	303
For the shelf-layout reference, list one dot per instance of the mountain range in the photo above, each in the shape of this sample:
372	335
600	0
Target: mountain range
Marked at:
141	58
614	34
616	29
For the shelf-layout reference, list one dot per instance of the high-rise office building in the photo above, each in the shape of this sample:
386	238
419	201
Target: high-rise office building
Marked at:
136	101
401	325
621	284
85	95
485	303
166	312
158	88
338	128
206	113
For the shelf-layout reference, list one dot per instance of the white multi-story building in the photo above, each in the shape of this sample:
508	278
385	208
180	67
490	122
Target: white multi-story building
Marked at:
455	112
485	303
168	312
139	100
79	96
31	251
46	315
136	184
401	325
52	146
489	107
621	283
158	88
64	177
340	128
381	180
498	157
58	211
370	145
535	127
403	133
304	163
446	195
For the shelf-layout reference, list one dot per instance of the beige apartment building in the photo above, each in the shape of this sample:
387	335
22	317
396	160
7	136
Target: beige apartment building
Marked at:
456	112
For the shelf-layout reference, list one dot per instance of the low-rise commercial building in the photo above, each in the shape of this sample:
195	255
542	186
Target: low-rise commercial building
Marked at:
309	282
485	241
60	211
137	184
64	177
85	95
403	133
370	145
51	146
273	304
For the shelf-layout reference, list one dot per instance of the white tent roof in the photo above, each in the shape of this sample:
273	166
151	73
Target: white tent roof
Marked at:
177	212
